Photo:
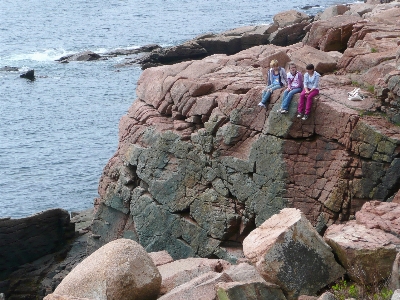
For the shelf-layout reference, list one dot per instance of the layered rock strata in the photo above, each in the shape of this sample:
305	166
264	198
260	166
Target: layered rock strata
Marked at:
27	239
199	165
35	279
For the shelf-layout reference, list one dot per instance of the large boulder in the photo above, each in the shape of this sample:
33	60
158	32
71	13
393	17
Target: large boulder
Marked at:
331	34
119	270
181	271
289	252
366	253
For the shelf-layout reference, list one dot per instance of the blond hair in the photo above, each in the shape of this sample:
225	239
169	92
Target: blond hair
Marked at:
273	63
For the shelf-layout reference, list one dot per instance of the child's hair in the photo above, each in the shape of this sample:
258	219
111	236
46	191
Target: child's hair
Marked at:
273	63
310	67
292	64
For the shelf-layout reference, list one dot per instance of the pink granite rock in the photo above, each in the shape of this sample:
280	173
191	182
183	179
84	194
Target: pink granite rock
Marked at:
396	198
380	215
305	297
244	272
323	62
360	8
249	290
331	34
370	44
289	17
63	297
366	254
199	164
385	15
119	270
181	271
394	281
201	287
287	251
161	258
333	11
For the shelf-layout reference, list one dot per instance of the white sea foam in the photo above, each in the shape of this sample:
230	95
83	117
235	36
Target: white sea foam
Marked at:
45	55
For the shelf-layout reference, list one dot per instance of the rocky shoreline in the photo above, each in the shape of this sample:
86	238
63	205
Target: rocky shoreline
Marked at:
201	171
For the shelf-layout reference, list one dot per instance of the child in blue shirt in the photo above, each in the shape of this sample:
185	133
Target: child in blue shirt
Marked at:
276	80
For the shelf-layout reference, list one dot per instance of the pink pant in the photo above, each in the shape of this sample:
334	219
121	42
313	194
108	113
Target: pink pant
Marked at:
307	100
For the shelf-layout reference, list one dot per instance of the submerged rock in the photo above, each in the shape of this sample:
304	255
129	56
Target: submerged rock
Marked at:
28	75
82	56
9	69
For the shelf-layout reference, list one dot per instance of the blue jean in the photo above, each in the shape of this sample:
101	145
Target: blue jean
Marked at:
268	93
287	97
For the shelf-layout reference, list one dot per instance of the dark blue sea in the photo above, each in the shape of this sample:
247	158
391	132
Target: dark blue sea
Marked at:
58	132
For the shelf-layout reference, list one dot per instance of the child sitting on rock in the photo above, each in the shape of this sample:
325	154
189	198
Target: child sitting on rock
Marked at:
295	85
276	80
311	89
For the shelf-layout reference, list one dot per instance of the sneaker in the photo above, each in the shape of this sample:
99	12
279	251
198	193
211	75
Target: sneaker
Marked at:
353	92
283	111
261	104
305	117
299	115
356	97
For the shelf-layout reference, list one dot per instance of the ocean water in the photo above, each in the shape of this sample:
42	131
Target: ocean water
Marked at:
58	132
